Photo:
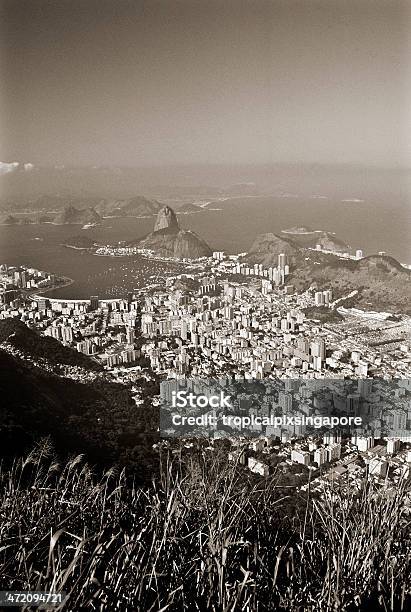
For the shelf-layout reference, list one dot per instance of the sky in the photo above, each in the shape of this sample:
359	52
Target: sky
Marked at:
168	82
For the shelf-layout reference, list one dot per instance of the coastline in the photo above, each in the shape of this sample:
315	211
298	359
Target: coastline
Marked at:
66	283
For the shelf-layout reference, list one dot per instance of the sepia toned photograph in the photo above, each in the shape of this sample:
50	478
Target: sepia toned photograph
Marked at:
205	305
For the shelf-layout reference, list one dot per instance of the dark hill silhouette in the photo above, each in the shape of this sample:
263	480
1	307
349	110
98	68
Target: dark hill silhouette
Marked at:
29	341
72	215
93	415
36	403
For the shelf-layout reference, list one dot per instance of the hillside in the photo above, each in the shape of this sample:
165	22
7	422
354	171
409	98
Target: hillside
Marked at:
383	284
307	238
189	208
139	206
374	264
74	216
86	416
27	219
266	248
9	220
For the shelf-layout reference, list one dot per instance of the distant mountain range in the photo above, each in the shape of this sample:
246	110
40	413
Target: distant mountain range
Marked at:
64	211
69	215
23	182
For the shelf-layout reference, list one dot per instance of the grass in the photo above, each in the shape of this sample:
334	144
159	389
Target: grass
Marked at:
202	537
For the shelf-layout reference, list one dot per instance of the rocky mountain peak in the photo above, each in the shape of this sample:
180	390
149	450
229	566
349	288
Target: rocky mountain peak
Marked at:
166	220
169	240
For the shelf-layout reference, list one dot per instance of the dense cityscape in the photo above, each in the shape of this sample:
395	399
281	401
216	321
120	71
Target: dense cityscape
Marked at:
230	322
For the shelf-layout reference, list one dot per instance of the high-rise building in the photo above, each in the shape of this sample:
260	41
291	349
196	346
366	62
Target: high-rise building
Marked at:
363	443
42	304
20	278
285	401
353	403
320	456
282	261
327	296
129	335
362	368
332	438
303	345
66	334
113	360
94	302
53	332
317	363
319	298
300	456
393	446
317	348
184	330
334	452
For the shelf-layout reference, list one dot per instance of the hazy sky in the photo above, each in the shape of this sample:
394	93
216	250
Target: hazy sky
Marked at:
166	82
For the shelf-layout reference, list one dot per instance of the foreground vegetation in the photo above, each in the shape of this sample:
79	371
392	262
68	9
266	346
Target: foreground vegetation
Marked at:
203	537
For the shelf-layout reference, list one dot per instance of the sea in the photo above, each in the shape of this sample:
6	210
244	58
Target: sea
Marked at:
231	224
